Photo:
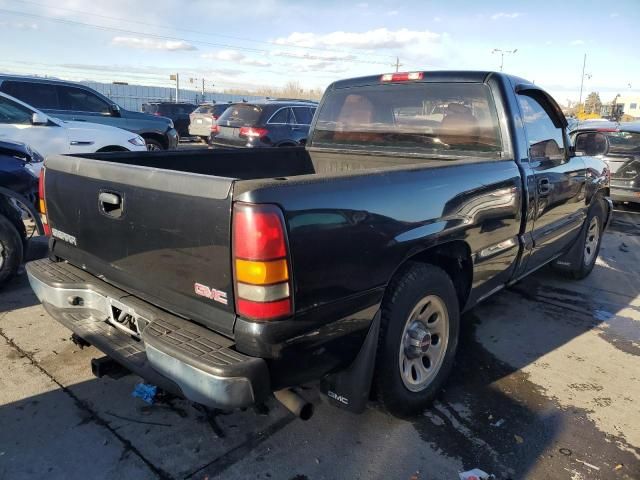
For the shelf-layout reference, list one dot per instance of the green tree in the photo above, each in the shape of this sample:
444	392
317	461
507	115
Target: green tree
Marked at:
592	104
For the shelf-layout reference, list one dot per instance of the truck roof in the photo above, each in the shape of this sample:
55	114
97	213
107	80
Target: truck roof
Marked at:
455	76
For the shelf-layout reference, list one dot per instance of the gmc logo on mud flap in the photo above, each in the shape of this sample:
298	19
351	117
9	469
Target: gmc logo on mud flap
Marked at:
211	293
338	398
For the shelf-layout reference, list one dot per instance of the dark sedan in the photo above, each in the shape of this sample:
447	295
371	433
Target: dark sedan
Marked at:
270	123
623	157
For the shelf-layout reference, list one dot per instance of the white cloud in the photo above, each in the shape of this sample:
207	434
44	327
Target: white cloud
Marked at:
499	15
152	44
19	25
362	5
320	56
437	19
380	38
235	56
614	15
392	13
576	42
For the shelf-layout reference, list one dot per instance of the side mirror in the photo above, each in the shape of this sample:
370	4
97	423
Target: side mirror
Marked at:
591	144
39	119
114	110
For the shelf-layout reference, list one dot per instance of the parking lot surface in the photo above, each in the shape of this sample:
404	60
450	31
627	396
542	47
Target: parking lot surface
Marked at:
546	385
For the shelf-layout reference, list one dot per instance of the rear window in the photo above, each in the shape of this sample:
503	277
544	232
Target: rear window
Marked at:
206	109
240	115
38	95
149	108
434	118
624	142
219	109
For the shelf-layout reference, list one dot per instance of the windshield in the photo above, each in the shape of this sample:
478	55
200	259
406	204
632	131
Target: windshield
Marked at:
412	117
240	115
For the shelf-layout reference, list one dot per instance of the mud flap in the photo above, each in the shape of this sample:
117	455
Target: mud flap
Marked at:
572	260
349	389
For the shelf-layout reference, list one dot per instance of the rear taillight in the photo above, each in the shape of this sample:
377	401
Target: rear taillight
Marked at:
215	117
253	132
215	129
42	204
261	264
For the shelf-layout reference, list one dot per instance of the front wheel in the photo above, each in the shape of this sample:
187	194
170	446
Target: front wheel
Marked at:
153	145
589	244
418	339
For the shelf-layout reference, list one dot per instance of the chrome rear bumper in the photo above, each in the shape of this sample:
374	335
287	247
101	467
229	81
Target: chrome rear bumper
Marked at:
170	352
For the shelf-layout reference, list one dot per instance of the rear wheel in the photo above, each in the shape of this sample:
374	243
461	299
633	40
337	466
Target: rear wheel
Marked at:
11	249
418	339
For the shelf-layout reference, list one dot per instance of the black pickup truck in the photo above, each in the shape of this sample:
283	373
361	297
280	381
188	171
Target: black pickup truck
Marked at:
227	276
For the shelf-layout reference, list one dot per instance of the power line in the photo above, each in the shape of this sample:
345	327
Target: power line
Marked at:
199	32
180	39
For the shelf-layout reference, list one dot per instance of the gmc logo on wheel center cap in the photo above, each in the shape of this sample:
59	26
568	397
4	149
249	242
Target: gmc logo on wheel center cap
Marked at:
211	293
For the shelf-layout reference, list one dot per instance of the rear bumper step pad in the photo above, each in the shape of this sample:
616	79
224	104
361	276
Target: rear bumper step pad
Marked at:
173	353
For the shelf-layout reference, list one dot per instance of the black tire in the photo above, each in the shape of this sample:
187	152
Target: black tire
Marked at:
587	261
405	292
153	144
11	249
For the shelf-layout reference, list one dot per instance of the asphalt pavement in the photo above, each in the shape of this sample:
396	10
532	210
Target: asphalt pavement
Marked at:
546	385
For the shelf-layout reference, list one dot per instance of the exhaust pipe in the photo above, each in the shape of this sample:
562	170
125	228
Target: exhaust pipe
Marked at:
297	405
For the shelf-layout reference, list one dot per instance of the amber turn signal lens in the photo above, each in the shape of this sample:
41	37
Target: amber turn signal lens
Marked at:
261	273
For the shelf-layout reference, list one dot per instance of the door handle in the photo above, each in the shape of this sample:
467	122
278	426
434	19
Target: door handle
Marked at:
544	186
110	204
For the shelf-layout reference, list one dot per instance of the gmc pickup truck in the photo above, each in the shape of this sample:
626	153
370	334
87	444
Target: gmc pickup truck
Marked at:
227	276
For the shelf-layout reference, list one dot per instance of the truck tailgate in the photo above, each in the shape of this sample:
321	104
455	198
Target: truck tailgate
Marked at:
152	232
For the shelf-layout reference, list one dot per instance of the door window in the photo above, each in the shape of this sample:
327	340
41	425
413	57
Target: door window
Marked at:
12	113
78	99
546	141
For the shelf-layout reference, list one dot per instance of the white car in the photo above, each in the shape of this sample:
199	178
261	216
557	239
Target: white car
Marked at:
20	122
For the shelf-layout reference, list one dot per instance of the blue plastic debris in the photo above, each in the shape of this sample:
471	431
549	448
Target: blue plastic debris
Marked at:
146	392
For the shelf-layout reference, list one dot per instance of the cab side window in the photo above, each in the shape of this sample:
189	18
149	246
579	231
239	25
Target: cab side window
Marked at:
546	141
80	100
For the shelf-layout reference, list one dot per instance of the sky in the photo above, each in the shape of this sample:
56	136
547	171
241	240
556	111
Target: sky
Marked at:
271	42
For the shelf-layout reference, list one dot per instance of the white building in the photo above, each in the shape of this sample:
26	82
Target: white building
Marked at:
630	105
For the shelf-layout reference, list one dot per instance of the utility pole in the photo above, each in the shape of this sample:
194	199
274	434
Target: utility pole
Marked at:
397	64
584	64
502	53
203	90
176	78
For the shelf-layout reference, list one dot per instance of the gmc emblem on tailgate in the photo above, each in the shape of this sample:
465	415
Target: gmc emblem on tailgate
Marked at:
215	295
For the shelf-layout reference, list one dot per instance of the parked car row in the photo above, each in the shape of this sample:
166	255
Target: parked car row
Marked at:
622	156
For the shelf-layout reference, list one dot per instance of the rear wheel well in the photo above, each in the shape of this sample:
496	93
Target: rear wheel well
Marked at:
452	257
158	138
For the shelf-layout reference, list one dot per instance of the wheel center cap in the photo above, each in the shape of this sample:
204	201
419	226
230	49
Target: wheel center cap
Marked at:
418	342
